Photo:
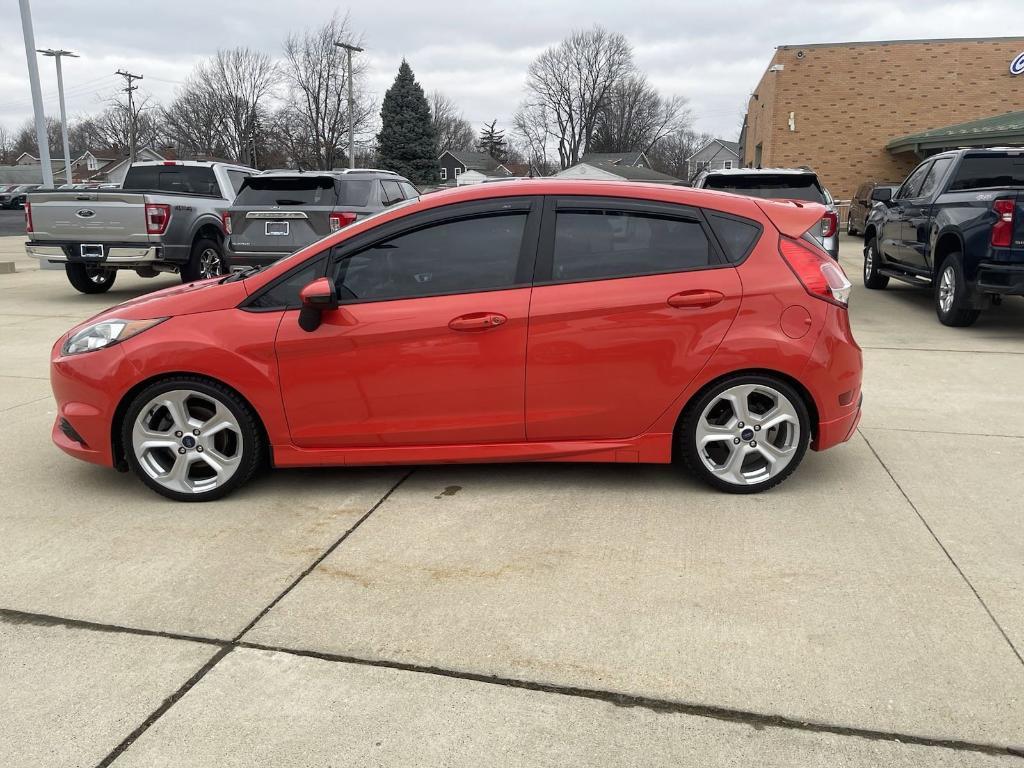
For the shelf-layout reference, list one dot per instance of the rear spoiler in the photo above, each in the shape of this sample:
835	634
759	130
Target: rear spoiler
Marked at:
792	217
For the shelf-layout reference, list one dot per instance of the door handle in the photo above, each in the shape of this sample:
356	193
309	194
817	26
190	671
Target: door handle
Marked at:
695	299
477	321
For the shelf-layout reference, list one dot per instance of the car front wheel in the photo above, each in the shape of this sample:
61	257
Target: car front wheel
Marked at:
190	439
746	434
872	277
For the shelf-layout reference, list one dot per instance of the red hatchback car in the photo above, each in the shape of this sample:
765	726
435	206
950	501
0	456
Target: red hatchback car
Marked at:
538	320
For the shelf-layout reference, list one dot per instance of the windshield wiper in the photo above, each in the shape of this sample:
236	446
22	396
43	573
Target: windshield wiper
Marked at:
242	274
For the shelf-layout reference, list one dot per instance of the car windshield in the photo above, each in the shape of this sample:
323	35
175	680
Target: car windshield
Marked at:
784	186
303	190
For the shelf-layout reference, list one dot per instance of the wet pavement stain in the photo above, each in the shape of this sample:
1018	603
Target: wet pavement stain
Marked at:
451	490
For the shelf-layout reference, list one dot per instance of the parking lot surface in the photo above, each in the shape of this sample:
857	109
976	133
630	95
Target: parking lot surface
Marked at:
869	611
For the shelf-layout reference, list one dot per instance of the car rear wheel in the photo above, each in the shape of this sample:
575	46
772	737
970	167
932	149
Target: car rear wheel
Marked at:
872	278
205	261
746	434
90	278
190	439
952	299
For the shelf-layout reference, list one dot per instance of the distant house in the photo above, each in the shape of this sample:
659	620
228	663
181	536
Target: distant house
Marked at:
715	155
453	163
111	166
621	159
600	170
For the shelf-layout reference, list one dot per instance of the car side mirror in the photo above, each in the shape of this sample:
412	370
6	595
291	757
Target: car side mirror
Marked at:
881	194
317	297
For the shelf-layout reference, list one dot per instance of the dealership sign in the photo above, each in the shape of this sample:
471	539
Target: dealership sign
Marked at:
1017	65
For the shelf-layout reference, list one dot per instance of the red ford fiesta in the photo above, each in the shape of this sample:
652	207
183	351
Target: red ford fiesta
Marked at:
539	320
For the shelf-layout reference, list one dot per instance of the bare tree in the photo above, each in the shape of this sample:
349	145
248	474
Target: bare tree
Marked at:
532	130
568	84
6	146
453	131
315	72
671	153
114	125
634	117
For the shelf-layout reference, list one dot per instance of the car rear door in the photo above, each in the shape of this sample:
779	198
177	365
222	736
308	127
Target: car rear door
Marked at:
630	300
429	343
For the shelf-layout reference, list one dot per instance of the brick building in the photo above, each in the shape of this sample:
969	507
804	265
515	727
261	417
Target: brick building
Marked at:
841	108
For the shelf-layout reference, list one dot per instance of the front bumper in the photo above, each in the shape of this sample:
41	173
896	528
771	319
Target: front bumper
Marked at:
113	255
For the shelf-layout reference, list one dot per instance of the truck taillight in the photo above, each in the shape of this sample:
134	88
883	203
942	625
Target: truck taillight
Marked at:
339	220
821	277
158	215
829	223
1002	230
28	217
225	220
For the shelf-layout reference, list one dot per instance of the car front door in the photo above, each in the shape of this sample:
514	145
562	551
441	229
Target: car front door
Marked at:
630	300
917	212
895	230
428	345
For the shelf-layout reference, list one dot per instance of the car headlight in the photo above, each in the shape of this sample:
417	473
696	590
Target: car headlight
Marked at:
106	332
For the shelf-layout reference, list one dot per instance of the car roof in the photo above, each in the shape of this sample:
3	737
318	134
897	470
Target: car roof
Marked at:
757	171
334	172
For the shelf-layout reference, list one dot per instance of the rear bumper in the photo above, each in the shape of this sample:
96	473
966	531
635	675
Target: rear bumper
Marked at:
113	254
1007	279
836	431
833	375
241	259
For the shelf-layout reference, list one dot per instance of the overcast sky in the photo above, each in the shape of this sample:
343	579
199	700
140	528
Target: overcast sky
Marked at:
713	53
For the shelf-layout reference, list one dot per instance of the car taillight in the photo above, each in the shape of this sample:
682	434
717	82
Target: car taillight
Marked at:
821	277
829	223
28	216
339	220
225	220
158	215
1002	230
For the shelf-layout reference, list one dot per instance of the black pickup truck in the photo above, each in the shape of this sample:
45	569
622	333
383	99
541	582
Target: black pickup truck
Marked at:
956	224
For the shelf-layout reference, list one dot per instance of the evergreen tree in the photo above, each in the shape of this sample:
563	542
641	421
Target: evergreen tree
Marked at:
407	143
492	141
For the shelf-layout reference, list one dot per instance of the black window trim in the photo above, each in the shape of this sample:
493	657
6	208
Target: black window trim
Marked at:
709	212
899	196
546	249
529	204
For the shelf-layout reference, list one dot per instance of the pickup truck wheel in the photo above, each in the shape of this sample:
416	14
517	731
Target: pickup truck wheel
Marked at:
89	278
872	278
746	434
206	261
952	302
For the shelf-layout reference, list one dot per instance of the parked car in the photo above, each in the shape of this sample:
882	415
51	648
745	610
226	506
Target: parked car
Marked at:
957	225
15	198
861	204
779	184
545	320
278	212
165	218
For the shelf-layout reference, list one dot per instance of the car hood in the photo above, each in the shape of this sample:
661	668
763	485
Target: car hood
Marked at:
201	296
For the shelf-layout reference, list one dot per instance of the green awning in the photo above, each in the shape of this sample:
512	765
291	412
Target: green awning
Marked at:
1000	130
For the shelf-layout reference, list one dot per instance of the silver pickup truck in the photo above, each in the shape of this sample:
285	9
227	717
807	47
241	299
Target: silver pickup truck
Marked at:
165	218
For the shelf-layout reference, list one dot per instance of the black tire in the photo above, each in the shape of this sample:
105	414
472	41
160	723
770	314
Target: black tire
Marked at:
205	261
952	297
87	278
872	278
249	443
692	453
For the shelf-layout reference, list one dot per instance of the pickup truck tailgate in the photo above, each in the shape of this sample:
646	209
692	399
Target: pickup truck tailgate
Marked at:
82	216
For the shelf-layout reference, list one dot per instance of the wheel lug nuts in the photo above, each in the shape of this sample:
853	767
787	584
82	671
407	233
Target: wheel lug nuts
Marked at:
181	450
753	443
177	434
199	448
757	428
736	440
740	425
195	432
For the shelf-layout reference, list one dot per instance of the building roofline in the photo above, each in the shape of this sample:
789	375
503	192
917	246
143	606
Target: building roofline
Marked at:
903	41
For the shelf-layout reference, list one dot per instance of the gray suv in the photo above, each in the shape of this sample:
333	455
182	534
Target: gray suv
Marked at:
780	184
278	212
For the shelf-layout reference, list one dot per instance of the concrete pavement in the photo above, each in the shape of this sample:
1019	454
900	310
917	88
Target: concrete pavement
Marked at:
866	612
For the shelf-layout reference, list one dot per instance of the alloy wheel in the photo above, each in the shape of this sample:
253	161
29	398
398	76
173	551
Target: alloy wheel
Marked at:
869	261
98	275
210	264
947	289
748	434
187	441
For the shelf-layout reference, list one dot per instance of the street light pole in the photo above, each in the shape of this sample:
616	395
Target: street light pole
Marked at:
63	113
37	94
351	105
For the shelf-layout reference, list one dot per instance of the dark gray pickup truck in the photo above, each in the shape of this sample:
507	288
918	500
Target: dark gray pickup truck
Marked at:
165	218
957	225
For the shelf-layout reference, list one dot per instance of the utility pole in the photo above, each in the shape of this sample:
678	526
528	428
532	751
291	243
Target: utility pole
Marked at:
63	113
37	94
351	105
129	88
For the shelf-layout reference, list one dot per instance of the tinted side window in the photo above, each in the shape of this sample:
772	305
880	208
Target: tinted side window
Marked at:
391	192
913	182
931	182
604	244
736	236
236	178
998	169
463	256
285	293
198	180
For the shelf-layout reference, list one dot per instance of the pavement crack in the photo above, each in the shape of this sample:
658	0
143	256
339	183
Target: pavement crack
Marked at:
15	617
945	551
323	556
